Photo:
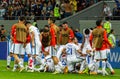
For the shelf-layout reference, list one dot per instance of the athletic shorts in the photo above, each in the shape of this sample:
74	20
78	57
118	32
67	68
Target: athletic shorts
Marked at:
16	48
102	54
37	49
27	49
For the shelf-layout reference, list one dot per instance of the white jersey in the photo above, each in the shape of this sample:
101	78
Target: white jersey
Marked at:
71	49
87	42
77	54
36	32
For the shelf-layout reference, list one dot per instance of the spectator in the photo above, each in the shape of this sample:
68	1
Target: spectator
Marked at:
116	12
68	9
106	10
74	3
42	9
2	33
57	12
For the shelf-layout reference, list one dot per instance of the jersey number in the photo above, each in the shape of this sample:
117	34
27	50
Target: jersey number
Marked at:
69	51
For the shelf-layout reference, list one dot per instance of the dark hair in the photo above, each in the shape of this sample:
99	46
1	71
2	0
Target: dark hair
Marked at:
35	20
52	19
87	31
60	25
111	31
65	22
46	26
105	3
27	22
2	25
72	38
107	18
98	22
22	19
57	5
45	30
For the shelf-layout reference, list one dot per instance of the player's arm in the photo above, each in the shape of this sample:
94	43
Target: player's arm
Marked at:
79	51
32	39
106	39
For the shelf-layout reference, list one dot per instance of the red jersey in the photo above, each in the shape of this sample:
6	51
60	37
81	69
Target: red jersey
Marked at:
28	38
105	41
53	41
13	33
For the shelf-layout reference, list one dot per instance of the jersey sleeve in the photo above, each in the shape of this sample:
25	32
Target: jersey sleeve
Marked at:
31	29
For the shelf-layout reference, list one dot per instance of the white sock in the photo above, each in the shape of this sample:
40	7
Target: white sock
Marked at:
38	59
103	67
91	66
15	66
97	64
22	61
99	71
60	64
109	66
20	64
8	60
82	65
57	68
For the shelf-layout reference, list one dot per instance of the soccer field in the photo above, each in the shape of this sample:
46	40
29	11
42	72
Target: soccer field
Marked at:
8	74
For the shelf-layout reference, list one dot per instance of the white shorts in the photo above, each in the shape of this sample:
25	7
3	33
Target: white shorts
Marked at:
16	48
37	49
27	49
102	54
59	51
71	61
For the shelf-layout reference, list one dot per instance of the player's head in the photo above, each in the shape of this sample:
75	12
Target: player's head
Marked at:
99	22
22	19
111	31
46	27
87	31
45	32
51	20
72	39
105	5
107	18
60	27
28	24
65	25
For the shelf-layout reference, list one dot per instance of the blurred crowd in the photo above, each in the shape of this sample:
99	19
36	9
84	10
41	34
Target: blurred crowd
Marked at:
113	13
41	9
2	33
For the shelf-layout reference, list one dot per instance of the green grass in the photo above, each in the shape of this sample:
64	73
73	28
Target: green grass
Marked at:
8	74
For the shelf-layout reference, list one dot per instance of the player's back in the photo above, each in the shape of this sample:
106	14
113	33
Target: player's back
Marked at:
87	40
71	49
36	32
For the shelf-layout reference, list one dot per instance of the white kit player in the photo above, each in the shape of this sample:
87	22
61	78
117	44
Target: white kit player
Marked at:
35	39
85	47
71	49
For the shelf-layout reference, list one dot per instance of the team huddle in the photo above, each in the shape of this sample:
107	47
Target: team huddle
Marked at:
56	49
